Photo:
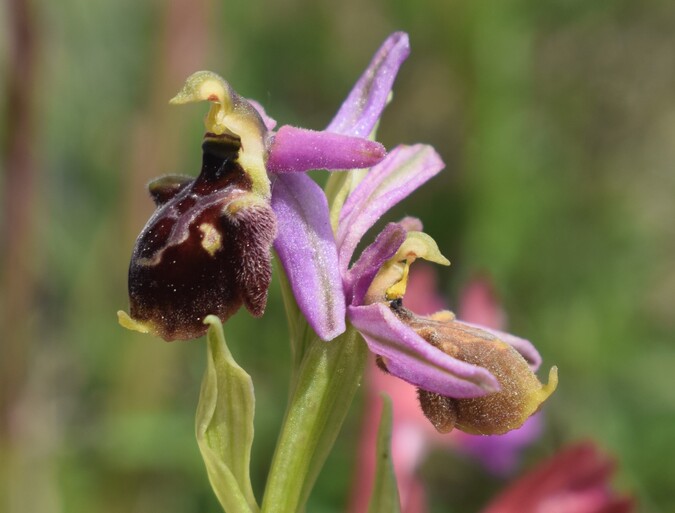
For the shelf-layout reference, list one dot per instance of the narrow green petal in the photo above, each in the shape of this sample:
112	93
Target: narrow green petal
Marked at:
384	498
224	424
338	187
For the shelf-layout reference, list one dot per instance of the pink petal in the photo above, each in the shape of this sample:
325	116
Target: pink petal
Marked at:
360	112
307	251
361	275
298	149
405	169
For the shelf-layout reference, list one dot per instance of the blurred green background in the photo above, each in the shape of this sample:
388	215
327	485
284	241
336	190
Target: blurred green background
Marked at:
556	119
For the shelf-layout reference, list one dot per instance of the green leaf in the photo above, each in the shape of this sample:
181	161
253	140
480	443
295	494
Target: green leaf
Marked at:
224	424
325	385
384	498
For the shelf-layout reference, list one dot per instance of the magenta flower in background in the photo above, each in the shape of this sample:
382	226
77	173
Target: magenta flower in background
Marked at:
575	480
479	304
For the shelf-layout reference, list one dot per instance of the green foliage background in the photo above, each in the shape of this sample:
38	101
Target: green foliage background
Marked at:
556	119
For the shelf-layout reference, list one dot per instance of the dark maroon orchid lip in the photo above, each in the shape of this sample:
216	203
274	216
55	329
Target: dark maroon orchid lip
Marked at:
181	230
205	250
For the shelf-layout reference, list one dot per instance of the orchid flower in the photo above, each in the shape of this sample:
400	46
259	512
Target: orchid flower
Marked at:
207	250
316	247
413	436
317	254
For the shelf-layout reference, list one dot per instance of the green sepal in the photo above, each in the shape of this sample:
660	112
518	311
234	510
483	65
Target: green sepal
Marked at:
336	189
224	424
384	497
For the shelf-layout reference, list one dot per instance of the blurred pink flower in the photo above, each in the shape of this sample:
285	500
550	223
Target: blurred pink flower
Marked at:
575	480
479	304
422	295
412	434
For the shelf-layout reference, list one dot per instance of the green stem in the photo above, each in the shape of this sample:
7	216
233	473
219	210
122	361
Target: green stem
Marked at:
300	334
325	385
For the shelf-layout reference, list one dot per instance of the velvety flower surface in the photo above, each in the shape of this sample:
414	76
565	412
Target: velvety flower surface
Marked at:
517	393
207	234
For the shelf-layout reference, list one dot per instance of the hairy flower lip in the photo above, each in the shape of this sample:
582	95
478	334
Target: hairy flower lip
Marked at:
205	250
414	360
390	334
520	392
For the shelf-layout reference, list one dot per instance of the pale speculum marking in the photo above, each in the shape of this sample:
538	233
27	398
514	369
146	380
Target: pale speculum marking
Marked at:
211	240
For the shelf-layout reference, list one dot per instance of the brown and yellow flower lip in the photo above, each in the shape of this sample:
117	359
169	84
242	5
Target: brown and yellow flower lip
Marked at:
206	250
509	390
521	393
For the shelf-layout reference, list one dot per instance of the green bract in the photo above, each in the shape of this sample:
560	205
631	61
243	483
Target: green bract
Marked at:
224	424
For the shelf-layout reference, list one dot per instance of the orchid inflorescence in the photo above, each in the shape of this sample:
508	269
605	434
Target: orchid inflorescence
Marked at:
207	250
